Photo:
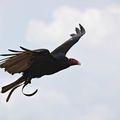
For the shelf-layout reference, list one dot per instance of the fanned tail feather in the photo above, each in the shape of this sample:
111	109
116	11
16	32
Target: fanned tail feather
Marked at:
16	63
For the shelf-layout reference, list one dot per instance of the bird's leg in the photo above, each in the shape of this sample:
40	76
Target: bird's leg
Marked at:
28	81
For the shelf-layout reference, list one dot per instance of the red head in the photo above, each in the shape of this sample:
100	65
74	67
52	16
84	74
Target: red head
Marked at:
73	62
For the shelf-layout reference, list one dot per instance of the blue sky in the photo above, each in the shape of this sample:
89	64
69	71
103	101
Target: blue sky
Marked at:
87	92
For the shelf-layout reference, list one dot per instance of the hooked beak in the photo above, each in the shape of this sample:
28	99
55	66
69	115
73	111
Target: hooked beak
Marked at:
74	62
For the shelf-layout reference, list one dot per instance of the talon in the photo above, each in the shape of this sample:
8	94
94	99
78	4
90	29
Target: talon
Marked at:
28	81
31	94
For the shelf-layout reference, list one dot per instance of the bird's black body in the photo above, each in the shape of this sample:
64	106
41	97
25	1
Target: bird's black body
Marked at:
46	66
40	62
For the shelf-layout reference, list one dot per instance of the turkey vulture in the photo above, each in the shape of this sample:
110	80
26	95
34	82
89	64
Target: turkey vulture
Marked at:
37	63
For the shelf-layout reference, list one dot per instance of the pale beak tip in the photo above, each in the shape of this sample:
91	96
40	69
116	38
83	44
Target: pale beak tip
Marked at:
79	63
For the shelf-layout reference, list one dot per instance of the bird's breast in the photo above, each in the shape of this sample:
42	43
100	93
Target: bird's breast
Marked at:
46	67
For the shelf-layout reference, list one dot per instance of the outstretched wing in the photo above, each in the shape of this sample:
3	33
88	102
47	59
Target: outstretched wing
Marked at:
20	61
63	49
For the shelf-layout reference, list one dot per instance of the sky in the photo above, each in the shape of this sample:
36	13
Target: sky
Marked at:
87	92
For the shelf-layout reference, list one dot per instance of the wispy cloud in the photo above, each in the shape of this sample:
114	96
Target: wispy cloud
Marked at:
99	24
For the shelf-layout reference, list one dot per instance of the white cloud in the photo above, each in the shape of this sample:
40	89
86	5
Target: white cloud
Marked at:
45	104
99	113
99	24
1	22
52	96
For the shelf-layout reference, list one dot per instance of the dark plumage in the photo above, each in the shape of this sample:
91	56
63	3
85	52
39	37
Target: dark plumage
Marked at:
37	63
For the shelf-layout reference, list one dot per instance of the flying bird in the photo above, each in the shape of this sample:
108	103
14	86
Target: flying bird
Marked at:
39	62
